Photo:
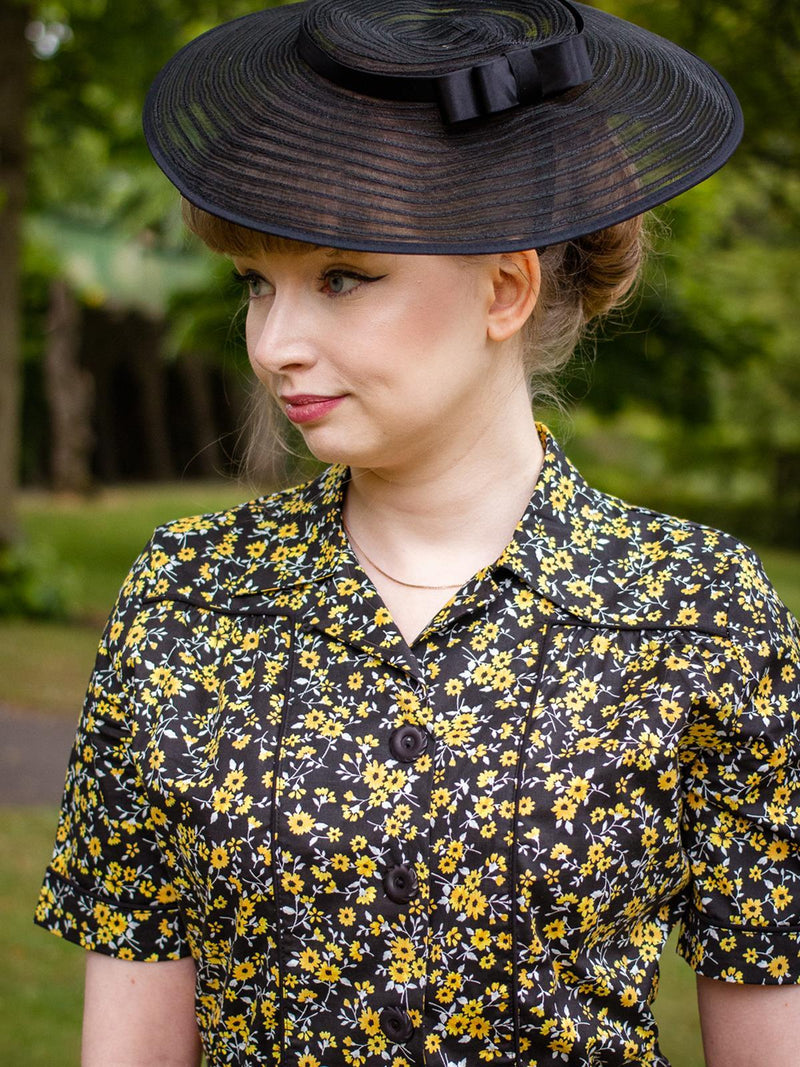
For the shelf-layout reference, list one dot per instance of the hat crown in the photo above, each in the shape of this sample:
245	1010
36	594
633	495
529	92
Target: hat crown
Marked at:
407	38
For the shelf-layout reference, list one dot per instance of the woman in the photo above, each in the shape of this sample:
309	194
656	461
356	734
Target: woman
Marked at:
420	762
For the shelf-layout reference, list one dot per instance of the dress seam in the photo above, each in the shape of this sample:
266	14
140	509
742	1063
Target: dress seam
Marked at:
515	851
717	925
275	847
155	908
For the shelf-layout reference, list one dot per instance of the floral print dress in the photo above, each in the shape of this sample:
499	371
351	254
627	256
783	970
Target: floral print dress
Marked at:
468	851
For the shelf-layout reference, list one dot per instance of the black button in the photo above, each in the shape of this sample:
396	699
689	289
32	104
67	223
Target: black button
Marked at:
396	1024
408	742
401	883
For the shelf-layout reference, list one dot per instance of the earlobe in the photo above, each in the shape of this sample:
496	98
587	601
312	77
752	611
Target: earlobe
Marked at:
517	280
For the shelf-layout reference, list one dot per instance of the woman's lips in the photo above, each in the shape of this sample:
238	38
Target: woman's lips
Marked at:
305	407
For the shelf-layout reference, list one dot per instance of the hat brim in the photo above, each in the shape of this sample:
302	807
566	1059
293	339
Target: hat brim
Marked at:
248	132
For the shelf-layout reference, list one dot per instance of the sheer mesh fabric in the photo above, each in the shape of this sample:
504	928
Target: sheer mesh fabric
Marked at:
246	130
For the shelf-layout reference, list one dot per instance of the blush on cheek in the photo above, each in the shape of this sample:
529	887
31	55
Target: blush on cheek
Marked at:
432	319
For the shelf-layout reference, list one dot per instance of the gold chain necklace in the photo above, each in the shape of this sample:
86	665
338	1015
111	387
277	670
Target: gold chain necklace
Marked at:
391	577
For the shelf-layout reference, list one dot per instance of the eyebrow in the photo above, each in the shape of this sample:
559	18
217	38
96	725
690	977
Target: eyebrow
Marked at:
332	253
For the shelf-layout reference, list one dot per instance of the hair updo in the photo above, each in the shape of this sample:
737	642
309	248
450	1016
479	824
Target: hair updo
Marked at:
582	280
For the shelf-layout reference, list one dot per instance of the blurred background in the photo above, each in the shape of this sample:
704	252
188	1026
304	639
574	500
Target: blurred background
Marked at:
123	378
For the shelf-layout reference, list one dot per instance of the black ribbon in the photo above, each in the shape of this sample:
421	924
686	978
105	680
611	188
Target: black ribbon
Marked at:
522	76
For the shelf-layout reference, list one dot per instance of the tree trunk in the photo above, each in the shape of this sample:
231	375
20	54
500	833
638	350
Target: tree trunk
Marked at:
15	58
70	393
787	496
205	454
144	349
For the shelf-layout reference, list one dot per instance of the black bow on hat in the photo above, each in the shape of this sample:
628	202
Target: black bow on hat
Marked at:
520	76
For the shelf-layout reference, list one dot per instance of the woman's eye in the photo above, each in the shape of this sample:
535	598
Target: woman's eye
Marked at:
253	283
340	284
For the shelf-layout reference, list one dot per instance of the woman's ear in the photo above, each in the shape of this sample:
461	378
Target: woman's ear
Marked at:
517	279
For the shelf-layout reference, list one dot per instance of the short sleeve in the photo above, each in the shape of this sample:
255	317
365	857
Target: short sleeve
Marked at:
107	887
741	817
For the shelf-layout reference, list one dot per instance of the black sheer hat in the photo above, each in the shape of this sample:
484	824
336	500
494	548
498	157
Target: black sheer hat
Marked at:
436	126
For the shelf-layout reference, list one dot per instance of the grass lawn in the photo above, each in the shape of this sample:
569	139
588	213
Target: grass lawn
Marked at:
783	568
42	977
45	667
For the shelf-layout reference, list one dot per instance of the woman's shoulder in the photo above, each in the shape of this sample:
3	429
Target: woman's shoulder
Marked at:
210	556
703	574
624	564
626	534
259	513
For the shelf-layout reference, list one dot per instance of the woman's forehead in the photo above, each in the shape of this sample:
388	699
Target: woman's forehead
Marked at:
267	244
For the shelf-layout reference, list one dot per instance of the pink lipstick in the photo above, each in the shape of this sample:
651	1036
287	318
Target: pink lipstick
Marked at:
305	407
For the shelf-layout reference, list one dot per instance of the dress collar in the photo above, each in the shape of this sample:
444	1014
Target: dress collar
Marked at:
313	545
600	560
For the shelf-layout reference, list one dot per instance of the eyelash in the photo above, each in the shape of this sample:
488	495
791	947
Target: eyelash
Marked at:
249	279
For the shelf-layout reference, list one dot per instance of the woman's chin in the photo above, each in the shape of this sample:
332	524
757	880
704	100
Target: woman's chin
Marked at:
350	454
330	448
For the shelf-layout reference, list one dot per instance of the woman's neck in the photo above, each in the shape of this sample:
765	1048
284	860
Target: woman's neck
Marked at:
439	521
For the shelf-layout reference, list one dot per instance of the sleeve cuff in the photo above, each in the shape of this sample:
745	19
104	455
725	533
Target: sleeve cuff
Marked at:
95	923
746	955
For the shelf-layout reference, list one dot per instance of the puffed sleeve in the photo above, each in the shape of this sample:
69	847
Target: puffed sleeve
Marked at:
741	818
107	887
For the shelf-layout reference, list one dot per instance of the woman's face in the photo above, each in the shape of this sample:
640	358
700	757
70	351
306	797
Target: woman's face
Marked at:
377	358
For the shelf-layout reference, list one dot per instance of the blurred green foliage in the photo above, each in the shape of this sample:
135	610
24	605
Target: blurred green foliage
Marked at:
702	380
34	581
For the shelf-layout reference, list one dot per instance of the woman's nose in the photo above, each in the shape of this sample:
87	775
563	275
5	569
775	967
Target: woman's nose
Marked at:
280	335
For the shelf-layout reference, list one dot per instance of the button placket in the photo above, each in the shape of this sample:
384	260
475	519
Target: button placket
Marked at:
402	884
